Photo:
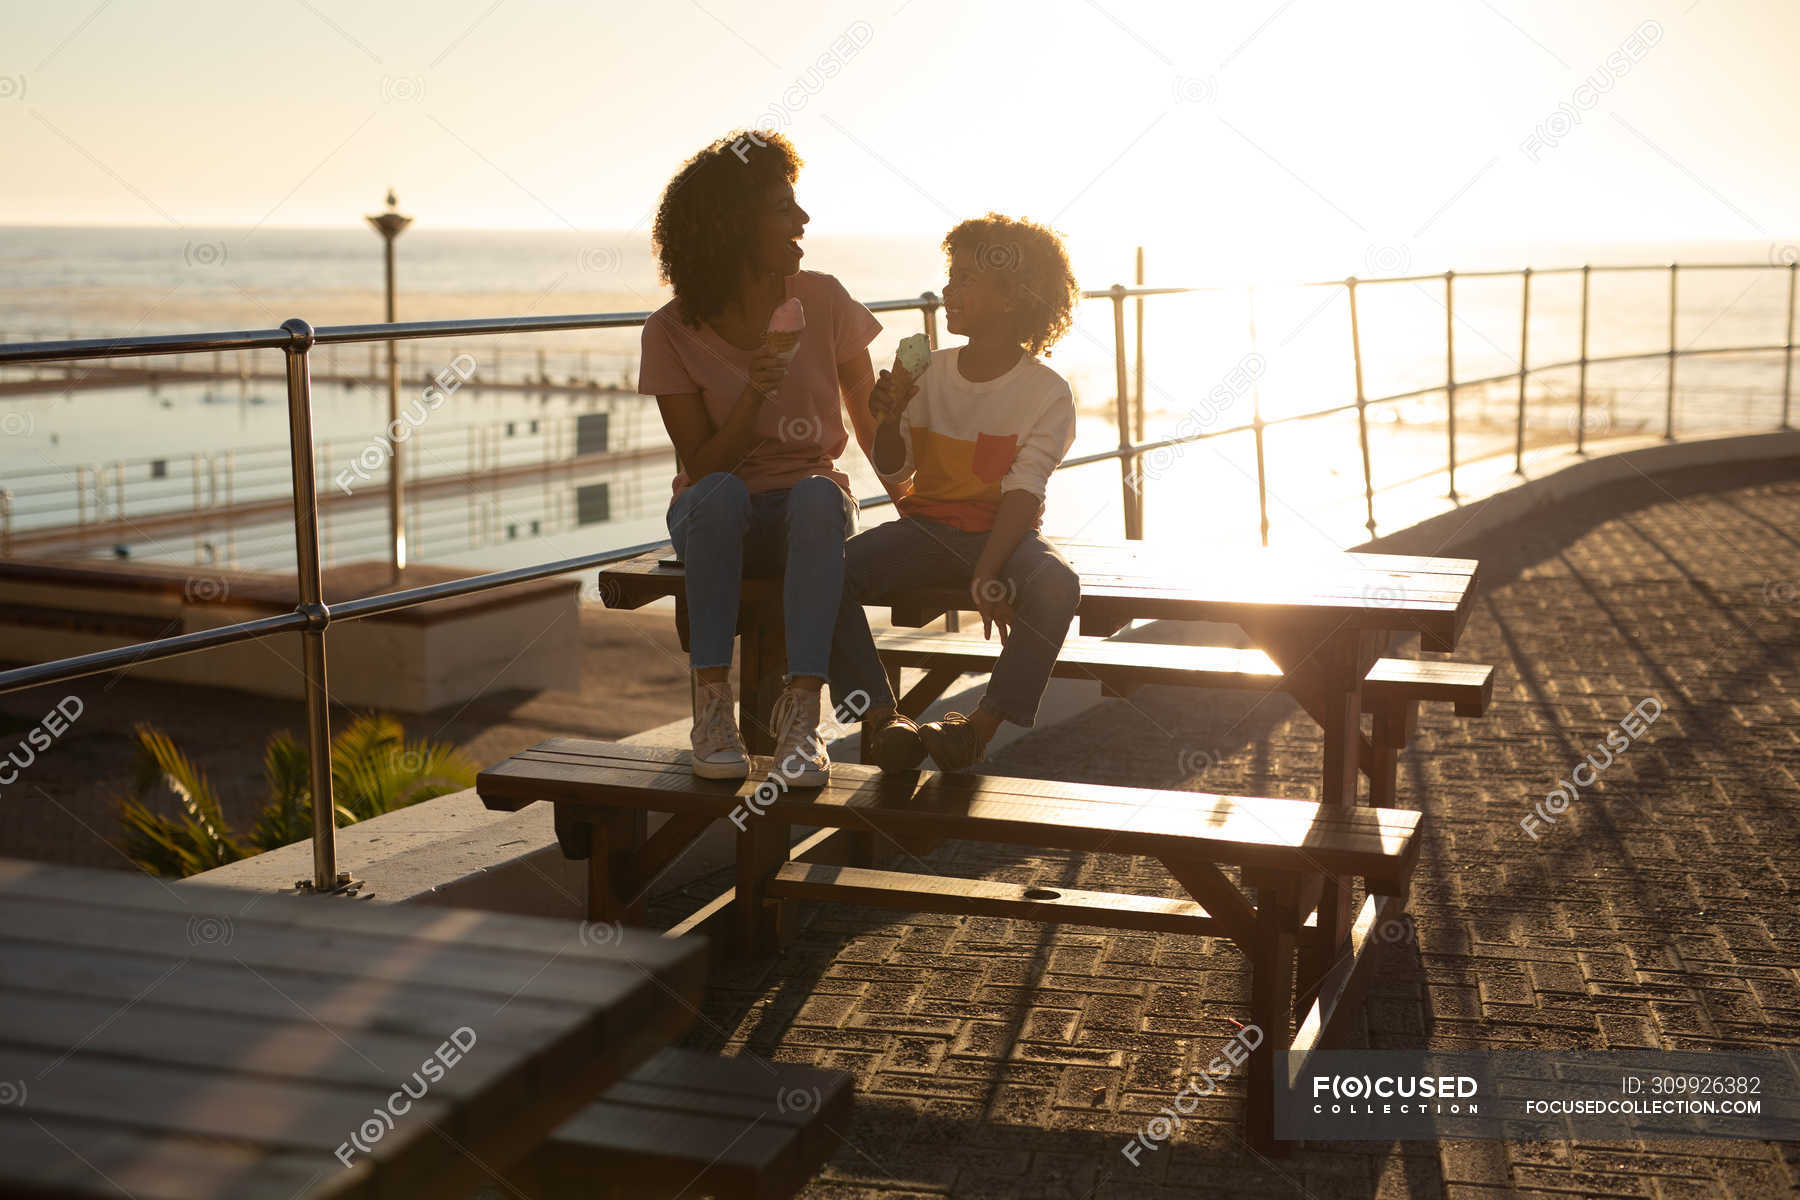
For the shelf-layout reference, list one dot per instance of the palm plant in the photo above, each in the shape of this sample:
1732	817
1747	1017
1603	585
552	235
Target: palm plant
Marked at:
196	840
373	770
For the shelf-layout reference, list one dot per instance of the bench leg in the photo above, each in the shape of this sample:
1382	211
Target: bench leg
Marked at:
762	846
1325	673
614	838
762	665
1343	729
1393	730
928	690
1271	1003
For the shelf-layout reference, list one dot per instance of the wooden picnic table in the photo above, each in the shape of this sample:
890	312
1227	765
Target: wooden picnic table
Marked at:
1323	618
191	1041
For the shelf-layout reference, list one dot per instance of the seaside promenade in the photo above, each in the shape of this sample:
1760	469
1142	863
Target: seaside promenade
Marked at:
1006	1060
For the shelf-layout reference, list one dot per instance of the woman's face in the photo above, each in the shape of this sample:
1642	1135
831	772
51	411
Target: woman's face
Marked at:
782	226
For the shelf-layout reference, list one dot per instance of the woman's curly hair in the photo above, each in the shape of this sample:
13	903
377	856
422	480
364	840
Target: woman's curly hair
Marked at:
707	222
1032	267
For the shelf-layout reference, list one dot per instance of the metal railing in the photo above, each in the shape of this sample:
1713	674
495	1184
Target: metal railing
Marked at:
312	616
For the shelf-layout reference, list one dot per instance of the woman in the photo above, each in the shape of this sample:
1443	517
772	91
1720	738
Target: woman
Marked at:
756	438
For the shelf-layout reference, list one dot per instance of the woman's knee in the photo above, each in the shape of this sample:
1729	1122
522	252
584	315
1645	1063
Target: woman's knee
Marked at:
817	503
719	497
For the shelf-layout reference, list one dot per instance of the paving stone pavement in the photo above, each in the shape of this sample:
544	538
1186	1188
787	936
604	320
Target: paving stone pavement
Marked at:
1006	1059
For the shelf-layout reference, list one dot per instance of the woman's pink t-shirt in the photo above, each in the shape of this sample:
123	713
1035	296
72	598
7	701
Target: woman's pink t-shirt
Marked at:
802	429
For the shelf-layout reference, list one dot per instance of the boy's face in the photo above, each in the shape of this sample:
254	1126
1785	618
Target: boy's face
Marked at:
975	302
782	224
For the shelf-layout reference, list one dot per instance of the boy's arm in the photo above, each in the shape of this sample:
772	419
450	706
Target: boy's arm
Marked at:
1016	517
891	454
1021	499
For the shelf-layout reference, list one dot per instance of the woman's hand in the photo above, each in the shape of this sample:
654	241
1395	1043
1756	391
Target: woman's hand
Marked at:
886	400
766	372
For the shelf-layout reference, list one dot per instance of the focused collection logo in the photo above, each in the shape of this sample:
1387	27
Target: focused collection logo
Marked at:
1363	1095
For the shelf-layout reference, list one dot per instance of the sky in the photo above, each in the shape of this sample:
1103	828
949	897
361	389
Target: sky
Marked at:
1273	128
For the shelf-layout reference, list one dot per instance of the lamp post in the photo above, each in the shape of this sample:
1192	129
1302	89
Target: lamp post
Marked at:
390	225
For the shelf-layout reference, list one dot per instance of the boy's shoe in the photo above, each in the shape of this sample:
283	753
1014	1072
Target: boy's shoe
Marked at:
800	756
718	751
953	742
897	746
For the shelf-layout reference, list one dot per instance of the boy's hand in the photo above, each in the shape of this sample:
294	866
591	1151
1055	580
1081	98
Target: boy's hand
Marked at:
887	401
766	372
993	601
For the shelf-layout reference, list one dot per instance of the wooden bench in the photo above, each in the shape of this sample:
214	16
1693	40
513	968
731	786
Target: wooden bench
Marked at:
689	1124
1289	853
1392	690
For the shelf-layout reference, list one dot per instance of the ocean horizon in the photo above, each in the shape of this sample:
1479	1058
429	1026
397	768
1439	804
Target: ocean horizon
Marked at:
58	281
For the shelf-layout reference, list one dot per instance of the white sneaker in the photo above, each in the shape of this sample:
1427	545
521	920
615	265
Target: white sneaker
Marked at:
800	756
718	751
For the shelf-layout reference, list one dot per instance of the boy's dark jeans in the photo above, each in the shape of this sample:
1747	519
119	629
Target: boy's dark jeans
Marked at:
918	552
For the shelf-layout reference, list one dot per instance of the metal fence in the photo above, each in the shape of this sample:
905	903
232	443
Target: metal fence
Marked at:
311	616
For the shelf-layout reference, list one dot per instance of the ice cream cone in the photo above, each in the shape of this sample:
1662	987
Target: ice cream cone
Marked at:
783	344
912	357
786	324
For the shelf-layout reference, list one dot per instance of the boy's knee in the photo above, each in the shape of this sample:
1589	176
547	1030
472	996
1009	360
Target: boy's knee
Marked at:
1057	583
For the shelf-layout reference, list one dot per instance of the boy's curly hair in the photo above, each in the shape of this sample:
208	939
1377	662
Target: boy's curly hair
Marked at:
1032	266
706	223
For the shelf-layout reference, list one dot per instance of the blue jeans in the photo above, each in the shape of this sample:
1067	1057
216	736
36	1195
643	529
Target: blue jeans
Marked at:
722	531
1042	587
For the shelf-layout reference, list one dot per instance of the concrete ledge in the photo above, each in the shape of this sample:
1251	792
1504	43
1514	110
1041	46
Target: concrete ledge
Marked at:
1556	478
412	660
449	851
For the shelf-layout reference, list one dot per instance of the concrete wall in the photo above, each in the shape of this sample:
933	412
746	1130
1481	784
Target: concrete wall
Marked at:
530	640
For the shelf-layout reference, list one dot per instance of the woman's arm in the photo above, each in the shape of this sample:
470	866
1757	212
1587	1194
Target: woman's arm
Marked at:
702	448
856	378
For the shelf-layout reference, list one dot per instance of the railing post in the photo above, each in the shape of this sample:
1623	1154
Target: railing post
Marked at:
1581	379
230	499
1669	401
396	463
312	603
1362	408
1450	371
928	310
1256	424
1787	358
1132	497
1137	357
928	306
1524	351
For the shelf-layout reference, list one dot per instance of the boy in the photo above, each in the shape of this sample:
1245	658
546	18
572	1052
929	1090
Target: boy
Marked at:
967	449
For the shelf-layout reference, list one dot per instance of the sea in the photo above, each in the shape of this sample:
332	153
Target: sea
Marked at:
1246	344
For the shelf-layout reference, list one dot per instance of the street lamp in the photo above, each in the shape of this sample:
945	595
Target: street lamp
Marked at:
390	225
